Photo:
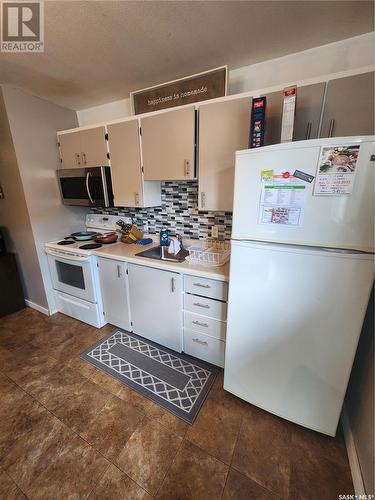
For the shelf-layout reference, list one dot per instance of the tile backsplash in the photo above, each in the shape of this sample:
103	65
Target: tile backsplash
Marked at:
178	212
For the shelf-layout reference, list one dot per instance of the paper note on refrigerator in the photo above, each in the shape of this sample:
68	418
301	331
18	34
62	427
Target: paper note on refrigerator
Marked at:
336	171
282	200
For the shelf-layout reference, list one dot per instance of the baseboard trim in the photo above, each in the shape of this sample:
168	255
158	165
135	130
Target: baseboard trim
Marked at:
37	307
355	468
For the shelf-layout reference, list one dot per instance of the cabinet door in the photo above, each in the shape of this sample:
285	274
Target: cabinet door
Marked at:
70	149
156	305
94	147
349	106
223	129
168	145
308	111
115	294
124	150
274	111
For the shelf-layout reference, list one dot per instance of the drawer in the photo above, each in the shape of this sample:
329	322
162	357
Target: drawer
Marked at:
208	326
207	307
204	347
206	287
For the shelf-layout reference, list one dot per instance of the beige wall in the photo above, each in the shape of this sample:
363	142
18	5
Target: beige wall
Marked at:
14	216
33	124
359	401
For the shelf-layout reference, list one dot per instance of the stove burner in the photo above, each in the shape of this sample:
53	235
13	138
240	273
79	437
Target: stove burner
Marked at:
66	242
90	246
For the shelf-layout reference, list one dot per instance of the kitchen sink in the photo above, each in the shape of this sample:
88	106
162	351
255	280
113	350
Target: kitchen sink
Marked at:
161	253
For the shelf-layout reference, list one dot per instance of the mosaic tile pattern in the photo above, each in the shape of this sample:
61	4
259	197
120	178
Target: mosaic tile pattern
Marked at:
178	212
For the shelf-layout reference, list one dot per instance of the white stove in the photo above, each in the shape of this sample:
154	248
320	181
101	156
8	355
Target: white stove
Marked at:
74	272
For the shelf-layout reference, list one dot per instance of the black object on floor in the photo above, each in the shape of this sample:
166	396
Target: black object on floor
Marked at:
90	246
11	293
175	381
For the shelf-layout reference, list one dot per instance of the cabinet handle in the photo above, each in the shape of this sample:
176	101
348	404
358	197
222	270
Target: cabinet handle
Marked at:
206	306
119	273
187	168
84	158
201	285
136	199
203	199
331	125
172	285
308	130
78	159
200	324
202	342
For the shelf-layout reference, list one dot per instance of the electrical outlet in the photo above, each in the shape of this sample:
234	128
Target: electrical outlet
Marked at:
214	232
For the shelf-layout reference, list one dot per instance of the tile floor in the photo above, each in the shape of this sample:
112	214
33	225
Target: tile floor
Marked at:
68	431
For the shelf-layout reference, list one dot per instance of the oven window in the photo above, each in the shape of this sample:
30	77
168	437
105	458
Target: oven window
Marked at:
70	274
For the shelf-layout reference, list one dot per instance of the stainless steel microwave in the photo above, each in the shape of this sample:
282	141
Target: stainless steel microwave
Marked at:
86	186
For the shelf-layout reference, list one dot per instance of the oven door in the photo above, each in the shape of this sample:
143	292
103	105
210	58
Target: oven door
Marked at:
72	274
86	186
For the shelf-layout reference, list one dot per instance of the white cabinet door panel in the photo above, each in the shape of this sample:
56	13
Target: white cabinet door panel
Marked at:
168	145
70	149
115	292
94	147
156	305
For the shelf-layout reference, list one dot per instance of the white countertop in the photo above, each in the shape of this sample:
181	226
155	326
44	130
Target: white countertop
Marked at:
127	253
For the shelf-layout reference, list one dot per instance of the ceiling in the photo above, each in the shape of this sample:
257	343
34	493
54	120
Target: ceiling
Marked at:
99	51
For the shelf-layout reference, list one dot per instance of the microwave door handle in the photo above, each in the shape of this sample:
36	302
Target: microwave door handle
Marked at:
104	185
88	187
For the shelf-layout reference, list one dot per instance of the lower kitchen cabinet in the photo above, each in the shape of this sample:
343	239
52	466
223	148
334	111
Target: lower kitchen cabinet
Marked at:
156	305
115	292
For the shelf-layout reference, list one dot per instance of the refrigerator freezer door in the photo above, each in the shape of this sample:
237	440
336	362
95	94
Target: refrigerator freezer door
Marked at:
344	221
294	320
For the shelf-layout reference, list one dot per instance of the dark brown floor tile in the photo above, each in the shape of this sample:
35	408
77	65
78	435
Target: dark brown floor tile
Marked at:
82	406
215	430
28	364
106	381
148	454
85	368
194	475
240	487
134	398
116	485
17	418
34	451
50	336
72	474
73	346
56	386
225	398
5	356
109	431
23	320
13	339
262	451
314	477
305	441
166	418
8	489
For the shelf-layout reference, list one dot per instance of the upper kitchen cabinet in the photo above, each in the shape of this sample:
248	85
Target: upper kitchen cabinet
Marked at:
308	111
349	106
83	148
129	189
168	145
70	149
223	129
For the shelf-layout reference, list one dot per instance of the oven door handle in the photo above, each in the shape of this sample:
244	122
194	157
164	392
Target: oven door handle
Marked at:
67	256
88	187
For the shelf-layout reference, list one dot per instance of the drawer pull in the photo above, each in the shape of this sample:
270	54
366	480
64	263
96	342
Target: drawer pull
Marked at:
205	306
200	324
202	286
202	342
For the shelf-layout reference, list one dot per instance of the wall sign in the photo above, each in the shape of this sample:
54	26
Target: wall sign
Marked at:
195	88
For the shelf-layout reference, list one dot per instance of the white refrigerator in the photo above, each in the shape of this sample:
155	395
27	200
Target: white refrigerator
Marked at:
301	273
